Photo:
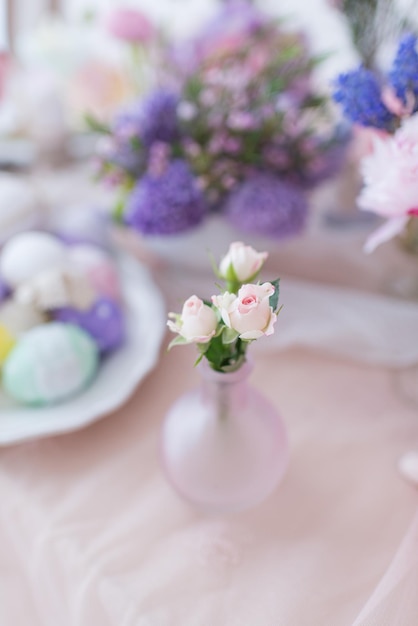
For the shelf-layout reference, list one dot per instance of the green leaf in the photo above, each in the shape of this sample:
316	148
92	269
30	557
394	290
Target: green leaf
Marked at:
199	358
229	335
274	298
135	143
234	365
96	125
177	341
215	353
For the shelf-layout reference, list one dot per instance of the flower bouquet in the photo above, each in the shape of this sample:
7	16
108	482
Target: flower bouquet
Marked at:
224	445
234	127
388	106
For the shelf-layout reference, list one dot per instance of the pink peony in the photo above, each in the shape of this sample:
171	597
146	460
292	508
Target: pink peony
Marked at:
390	176
130	25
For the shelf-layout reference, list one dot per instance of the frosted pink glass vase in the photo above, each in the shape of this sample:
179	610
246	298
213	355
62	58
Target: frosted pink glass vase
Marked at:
224	446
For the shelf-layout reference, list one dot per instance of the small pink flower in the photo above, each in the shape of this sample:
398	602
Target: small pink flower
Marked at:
241	120
130	25
197	322
249	313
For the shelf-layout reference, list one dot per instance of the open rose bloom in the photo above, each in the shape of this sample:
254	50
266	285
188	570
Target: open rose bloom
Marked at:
249	313
224	326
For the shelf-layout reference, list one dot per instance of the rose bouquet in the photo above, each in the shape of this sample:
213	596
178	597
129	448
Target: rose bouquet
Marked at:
388	107
223	327
235	126
223	443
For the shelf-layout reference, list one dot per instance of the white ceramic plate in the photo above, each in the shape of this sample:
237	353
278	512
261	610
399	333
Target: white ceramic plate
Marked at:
118	375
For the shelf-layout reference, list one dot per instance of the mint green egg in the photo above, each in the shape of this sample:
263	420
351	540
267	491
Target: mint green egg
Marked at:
50	363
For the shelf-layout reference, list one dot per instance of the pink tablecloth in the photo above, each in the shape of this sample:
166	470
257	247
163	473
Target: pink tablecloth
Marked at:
91	534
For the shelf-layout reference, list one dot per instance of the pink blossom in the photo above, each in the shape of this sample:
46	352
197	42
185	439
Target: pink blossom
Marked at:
130	25
391	181
241	120
241	262
249	313
197	322
395	104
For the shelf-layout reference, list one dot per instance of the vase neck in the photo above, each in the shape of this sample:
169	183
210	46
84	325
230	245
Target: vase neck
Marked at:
226	393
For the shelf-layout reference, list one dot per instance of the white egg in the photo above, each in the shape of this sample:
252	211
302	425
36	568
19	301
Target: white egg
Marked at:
19	317
27	254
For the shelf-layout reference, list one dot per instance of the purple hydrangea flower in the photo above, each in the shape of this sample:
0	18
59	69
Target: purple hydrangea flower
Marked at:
404	73
268	206
166	204
159	118
358	92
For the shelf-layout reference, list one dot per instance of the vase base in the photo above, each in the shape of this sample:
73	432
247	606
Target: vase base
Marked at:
224	465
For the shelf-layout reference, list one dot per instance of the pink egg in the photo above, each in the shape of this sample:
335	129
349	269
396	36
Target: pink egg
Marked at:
99	269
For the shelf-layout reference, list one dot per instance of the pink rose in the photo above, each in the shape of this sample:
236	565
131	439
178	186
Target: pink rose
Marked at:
249	313
197	322
130	25
241	262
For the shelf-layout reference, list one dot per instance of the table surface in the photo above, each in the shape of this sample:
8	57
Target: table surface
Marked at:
91	534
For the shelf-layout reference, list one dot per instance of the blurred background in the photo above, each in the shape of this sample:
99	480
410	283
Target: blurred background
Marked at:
65	77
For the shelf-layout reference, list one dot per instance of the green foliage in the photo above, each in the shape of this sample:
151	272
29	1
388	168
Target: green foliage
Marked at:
274	299
95	125
177	341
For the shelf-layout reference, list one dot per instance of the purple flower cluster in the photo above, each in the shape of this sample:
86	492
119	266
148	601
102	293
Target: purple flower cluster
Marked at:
268	206
158	121
238	134
166	204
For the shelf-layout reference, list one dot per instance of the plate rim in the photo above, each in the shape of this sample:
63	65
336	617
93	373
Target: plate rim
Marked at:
156	306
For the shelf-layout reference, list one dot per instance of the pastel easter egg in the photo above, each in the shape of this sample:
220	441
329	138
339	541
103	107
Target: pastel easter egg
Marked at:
7	342
104	322
99	269
27	254
49	364
4	290
18	317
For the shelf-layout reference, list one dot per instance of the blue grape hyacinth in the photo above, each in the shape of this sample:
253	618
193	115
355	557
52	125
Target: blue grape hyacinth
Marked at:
403	75
358	92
